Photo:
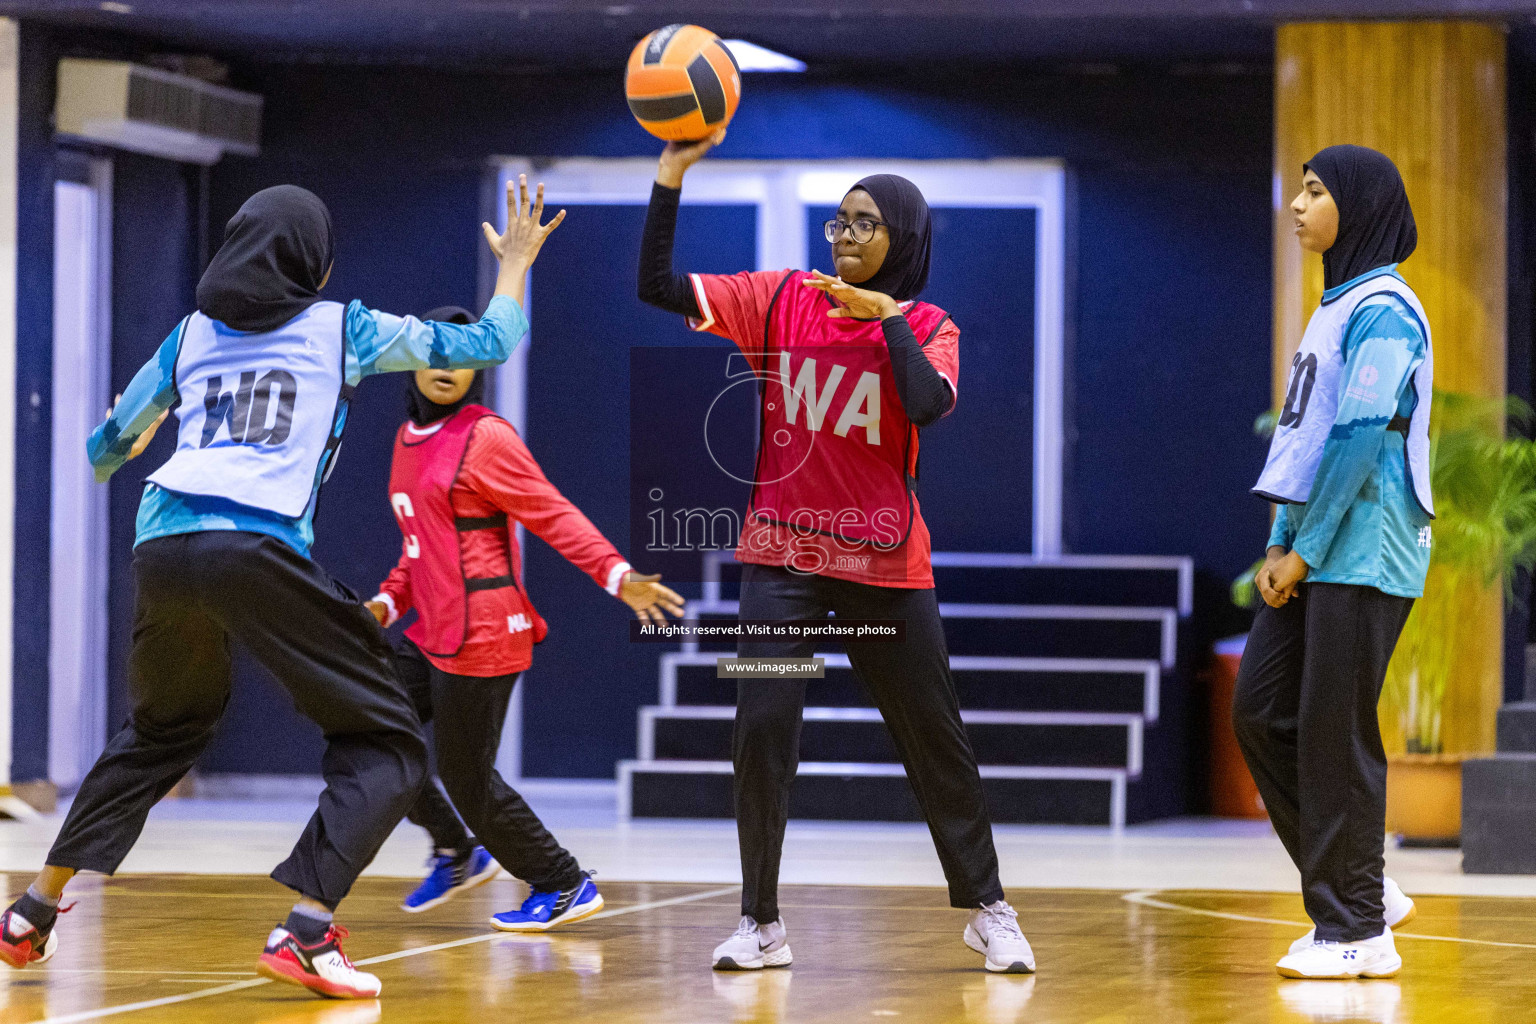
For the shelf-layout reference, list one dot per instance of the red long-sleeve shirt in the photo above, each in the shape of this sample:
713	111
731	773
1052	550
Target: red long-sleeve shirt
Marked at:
500	474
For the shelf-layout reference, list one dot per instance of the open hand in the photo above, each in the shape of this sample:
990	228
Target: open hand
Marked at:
649	599
855	302
519	245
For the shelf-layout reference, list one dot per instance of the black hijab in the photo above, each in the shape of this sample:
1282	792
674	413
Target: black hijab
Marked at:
421	409
1375	221
277	249
904	274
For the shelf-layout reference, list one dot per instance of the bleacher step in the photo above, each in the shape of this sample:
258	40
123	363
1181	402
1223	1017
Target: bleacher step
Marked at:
1517	728
1153	581
983	683
1001	738
833	791
1040	631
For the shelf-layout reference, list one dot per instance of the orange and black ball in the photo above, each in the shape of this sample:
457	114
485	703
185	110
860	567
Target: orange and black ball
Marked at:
682	83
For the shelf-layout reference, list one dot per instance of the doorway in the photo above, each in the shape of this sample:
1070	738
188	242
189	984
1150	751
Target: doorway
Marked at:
82	330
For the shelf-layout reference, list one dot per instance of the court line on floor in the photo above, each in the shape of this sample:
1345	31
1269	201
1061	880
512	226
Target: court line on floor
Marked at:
154	974
1147	898
186	997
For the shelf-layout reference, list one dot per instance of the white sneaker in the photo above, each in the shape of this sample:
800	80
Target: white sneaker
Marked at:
993	931
1397	910
1372	958
754	947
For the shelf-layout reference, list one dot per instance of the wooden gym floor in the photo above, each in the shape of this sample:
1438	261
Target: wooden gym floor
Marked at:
171	949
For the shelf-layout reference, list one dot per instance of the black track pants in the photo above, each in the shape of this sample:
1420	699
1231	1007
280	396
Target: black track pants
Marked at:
1305	715
910	683
468	713
194	593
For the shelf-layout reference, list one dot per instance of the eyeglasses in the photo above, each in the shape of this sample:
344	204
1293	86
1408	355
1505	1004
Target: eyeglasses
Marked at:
863	228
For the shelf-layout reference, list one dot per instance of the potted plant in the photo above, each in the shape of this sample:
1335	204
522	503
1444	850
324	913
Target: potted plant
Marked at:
1484	532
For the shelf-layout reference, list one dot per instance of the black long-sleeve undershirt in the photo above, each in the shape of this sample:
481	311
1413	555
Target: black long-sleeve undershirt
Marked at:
924	395
659	286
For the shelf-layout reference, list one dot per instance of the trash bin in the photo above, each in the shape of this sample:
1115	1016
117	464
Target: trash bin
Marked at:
1233	794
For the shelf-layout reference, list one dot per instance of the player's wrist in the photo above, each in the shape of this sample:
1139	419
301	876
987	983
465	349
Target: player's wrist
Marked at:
669	175
516	265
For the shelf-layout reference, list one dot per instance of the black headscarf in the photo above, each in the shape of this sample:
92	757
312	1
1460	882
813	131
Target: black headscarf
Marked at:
904	274
421	409
277	249
1375	221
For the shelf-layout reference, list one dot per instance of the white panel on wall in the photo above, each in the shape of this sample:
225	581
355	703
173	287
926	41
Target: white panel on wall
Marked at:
77	650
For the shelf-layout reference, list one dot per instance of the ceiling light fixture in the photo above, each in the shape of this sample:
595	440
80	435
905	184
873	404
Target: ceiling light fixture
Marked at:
751	57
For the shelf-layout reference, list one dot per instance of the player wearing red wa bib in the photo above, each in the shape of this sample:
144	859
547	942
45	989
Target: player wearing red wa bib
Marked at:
460	482
851	367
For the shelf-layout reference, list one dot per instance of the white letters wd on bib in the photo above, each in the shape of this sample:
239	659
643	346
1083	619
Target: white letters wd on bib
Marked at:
1312	400
257	410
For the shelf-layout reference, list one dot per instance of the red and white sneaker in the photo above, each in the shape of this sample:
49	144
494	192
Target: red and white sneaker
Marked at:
322	968
21	943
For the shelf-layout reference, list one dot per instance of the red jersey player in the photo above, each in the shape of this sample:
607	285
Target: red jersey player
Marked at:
852	367
461	480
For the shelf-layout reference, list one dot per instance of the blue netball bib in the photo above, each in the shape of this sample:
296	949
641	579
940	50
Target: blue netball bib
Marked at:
1312	398
259	412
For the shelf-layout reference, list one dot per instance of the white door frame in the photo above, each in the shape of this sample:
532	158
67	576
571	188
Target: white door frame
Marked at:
782	189
82	368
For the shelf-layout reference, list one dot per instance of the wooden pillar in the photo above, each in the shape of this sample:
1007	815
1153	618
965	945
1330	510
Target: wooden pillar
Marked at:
1430	95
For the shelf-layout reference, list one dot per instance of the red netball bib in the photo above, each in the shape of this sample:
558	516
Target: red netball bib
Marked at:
421	483
837	455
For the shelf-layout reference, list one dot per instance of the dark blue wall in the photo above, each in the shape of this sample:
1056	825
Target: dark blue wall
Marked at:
1519	623
154	268
1170	179
582	398
34	393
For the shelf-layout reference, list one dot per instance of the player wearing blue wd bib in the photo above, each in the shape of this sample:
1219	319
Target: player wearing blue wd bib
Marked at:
1349	465
260	377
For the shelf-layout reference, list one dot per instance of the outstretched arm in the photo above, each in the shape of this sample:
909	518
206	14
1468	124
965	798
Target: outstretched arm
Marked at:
385	343
518	246
659	286
500	469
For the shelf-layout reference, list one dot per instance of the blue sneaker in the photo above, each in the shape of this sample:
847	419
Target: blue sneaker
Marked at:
542	911
450	877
